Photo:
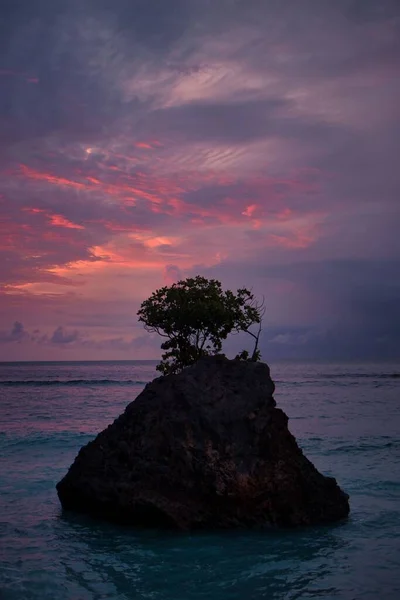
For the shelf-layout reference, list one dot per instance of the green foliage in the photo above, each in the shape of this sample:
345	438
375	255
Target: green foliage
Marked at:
195	316
245	355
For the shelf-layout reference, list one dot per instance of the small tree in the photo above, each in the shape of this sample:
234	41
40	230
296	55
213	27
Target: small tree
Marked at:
195	316
256	354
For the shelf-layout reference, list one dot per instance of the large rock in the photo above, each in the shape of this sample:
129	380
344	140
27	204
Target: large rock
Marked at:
206	448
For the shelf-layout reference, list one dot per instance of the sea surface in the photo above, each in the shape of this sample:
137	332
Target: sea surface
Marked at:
345	417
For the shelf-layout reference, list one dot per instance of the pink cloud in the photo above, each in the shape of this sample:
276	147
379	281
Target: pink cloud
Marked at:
171	274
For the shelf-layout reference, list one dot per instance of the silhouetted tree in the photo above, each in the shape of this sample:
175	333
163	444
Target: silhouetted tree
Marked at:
256	354
195	315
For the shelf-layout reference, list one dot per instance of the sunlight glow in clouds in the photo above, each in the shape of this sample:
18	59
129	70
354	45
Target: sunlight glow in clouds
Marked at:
252	141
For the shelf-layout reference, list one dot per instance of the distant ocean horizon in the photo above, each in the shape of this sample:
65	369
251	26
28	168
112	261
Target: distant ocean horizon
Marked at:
344	416
303	361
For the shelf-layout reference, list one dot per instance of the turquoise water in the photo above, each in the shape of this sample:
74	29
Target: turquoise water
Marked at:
345	417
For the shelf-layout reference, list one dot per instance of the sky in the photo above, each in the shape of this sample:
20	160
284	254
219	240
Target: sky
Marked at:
252	141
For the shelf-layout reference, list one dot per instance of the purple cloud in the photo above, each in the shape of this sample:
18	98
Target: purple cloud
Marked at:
254	140
17	333
60	336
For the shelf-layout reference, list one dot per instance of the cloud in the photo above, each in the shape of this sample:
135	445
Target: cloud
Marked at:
143	141
70	342
341	309
172	274
61	336
243	122
17	333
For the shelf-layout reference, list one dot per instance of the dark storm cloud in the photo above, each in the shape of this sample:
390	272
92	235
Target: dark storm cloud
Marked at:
357	303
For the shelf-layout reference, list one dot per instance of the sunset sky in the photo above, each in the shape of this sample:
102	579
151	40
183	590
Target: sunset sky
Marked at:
255	141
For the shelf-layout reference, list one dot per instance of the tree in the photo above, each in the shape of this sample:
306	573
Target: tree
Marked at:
195	316
256	354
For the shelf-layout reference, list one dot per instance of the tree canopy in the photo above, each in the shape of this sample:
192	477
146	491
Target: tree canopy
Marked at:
195	316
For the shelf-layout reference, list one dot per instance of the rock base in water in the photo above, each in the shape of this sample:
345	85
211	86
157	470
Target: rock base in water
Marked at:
206	448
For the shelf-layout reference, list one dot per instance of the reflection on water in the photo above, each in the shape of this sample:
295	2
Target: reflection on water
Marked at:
159	565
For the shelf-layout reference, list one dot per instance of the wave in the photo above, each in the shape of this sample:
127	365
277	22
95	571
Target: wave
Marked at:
70	382
328	447
129	382
360	375
64	440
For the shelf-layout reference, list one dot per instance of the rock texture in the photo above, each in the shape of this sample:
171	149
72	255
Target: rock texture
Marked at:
206	448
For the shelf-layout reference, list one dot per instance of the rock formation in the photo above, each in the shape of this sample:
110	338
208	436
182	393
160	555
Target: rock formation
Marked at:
206	448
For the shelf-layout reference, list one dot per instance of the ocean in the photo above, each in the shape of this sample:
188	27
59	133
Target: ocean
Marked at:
345	417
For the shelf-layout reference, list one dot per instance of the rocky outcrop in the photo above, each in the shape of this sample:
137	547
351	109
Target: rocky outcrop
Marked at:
206	448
